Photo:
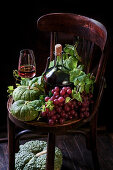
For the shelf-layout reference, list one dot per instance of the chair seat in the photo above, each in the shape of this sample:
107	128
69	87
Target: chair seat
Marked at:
44	126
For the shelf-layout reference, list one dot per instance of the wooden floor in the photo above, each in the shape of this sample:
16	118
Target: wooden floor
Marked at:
75	154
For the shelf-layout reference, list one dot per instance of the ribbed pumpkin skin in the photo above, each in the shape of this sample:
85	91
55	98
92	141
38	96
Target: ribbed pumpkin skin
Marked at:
25	110
26	93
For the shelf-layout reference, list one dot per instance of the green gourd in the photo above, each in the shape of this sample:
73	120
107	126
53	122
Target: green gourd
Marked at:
26	110
27	93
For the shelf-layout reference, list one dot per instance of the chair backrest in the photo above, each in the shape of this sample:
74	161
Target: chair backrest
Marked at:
91	33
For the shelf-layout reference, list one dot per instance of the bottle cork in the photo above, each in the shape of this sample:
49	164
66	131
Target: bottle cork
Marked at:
58	49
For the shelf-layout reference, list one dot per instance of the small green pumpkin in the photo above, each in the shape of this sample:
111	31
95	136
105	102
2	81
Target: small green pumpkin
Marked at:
26	110
27	93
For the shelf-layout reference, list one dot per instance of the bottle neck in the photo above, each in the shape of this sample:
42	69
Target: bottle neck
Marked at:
58	59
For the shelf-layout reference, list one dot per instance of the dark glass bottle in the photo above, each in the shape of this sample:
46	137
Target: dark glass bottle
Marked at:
58	75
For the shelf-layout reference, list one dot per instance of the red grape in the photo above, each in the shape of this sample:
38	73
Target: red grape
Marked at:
47	98
53	91
61	120
44	114
60	99
66	95
84	104
57	96
73	112
79	103
69	91
59	109
62	92
67	108
52	98
64	88
69	103
75	115
87	108
47	109
63	115
56	102
82	109
54	118
51	122
70	116
86	114
52	112
68	88
56	93
81	115
56	89
58	116
61	104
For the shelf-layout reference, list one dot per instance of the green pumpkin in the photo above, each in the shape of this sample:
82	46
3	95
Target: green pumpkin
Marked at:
26	110
26	93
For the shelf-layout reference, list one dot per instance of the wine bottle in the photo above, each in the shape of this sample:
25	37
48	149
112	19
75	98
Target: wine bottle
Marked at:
58	75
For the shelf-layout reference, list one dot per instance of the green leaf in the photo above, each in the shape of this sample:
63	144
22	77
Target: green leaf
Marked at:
87	88
17	84
69	49
38	82
50	94
81	88
43	108
76	54
76	82
68	99
10	87
77	96
51	64
70	63
50	105
74	74
59	60
25	81
10	90
42	98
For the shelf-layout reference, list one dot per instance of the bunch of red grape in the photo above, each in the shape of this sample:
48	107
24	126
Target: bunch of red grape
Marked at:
63	111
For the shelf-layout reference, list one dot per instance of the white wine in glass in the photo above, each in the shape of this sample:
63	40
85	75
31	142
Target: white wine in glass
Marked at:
27	65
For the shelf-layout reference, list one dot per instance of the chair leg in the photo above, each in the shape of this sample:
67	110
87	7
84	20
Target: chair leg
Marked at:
93	139
11	144
50	151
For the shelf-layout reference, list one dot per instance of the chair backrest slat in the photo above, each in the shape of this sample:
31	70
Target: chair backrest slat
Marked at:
91	33
83	26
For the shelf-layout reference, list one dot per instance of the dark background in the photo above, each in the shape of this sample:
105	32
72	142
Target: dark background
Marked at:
19	31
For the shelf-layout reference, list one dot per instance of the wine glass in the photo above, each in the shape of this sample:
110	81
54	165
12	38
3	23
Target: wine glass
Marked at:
27	65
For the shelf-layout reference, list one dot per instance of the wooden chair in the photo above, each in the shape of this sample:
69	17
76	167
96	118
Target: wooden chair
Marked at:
92	37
